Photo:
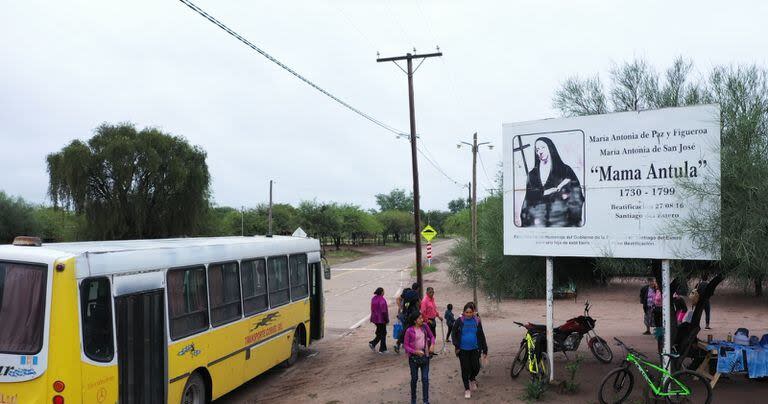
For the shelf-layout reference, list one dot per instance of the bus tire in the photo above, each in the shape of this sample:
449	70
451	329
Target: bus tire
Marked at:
294	349
194	391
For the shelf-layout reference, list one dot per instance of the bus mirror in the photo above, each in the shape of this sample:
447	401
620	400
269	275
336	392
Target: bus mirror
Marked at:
326	272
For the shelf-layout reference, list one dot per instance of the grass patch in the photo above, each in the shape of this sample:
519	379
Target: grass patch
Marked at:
341	256
427	269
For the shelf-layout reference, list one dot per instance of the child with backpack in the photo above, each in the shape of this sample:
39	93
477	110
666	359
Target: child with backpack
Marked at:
449	320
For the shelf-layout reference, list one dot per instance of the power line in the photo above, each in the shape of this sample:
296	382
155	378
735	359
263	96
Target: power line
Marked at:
271	58
285	67
350	22
437	166
482	164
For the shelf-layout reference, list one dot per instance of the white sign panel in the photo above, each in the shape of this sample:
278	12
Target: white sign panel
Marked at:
608	185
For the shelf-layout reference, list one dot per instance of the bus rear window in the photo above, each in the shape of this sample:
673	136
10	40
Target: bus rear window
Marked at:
22	307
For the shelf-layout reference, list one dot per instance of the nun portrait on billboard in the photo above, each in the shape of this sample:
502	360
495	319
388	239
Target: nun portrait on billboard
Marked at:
553	193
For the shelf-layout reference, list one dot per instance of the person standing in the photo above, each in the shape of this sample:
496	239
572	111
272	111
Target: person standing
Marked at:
419	342
469	343
429	310
658	321
647	295
407	304
449	320
679	306
700	288
379	317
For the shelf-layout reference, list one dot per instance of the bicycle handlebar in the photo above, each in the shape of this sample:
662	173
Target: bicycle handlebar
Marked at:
628	348
520	324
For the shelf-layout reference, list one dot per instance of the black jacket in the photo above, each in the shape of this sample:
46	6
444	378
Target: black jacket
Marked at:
458	326
644	296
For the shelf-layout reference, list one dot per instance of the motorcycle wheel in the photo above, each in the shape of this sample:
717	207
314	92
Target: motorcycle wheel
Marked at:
520	361
600	349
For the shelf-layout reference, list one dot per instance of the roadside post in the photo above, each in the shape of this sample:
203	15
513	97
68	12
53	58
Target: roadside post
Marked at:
550	319
429	233
609	186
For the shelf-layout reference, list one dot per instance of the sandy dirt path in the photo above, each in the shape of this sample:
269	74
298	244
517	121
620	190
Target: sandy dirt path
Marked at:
344	370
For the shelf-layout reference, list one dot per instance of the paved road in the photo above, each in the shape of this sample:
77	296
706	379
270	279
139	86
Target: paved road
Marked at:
348	293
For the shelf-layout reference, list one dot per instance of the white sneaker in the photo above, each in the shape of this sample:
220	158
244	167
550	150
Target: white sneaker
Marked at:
467	394
473	385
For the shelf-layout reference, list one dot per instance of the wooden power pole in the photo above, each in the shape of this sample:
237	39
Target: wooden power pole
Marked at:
416	211
475	148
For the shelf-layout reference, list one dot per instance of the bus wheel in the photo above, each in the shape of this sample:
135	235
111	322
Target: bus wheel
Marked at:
194	390
294	350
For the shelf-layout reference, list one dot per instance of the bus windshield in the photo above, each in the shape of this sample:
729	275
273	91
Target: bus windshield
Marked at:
22	307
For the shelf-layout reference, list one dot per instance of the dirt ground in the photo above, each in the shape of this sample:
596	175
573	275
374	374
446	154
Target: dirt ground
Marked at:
344	370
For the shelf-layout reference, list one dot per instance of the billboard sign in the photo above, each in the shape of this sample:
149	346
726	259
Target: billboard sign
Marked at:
609	185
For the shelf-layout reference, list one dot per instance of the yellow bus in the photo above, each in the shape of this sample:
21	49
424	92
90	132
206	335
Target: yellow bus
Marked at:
151	321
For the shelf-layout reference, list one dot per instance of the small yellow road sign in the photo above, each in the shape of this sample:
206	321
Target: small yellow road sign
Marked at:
429	233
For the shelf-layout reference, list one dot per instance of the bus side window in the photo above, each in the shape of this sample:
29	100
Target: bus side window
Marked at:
299	279
96	306
224	292
277	276
254	273
187	301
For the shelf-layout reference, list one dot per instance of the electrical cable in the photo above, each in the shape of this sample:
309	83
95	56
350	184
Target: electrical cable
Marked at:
482	164
274	60
285	67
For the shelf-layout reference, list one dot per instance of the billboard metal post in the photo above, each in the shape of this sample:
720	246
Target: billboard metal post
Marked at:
550	320
665	308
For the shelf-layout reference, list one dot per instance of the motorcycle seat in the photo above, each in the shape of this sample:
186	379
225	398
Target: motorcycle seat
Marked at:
540	328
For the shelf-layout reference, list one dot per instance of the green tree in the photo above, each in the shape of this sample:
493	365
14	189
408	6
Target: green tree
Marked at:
59	225
132	184
17	218
320	220
737	222
220	221
396	199
457	205
395	223
436	219
459	224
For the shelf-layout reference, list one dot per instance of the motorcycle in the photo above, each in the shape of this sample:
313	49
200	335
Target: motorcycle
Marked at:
567	337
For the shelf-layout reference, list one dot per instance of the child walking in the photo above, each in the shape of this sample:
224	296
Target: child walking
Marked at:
449	320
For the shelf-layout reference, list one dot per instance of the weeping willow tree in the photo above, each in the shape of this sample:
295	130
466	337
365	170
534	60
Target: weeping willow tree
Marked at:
737	223
131	184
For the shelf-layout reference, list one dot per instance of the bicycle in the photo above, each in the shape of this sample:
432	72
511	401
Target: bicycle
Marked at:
683	386
537	360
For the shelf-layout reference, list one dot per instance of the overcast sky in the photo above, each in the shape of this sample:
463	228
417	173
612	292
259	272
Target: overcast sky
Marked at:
66	67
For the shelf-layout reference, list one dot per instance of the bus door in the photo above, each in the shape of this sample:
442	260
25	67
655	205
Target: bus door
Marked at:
316	309
141	347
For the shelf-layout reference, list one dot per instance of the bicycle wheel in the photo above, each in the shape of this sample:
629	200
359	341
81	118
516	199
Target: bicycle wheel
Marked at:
700	392
543	364
520	361
601	350
616	386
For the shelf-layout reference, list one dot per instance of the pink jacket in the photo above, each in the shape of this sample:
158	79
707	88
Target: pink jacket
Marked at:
379	310
428	308
410	337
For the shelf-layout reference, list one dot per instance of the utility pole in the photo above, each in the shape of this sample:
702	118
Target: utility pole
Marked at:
242	221
269	217
475	149
416	219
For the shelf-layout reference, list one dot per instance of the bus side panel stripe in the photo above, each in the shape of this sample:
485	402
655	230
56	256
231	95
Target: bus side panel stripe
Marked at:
177	378
225	357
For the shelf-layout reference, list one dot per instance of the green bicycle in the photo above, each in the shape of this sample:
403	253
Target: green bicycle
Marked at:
683	386
537	360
